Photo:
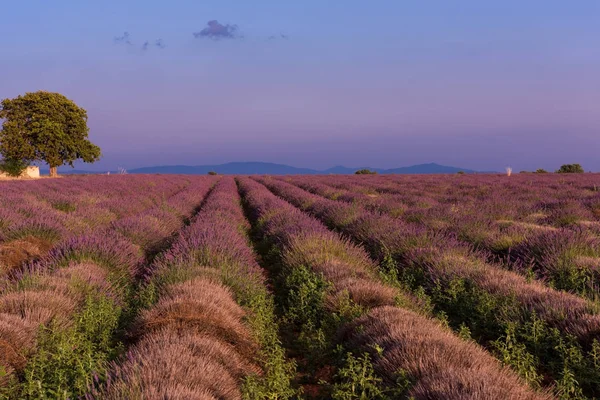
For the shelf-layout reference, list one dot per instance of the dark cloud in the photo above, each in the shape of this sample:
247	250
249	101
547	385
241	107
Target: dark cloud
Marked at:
125	39
145	46
216	31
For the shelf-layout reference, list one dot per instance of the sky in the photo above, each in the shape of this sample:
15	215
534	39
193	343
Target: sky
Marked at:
475	84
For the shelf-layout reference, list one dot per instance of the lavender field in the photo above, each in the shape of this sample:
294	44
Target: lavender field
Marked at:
311	287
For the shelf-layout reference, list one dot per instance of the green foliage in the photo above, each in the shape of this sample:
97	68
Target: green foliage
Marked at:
13	166
595	354
44	126
513	353
306	296
212	173
146	296
567	273
403	383
571	277
570	169
461	172
365	172
277	382
64	206
541	171
304	307
358	380
67	359
519	339
464	332
567	387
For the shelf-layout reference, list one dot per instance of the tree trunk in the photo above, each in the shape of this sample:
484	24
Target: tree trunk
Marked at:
53	172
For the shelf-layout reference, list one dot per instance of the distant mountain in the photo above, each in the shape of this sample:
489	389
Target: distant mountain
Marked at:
431	168
234	168
260	168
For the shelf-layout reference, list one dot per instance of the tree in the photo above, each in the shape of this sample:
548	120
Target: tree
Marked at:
570	169
541	171
365	172
48	127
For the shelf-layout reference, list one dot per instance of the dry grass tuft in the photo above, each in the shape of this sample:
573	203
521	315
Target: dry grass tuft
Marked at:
165	365
203	307
15	253
366	292
192	344
38	307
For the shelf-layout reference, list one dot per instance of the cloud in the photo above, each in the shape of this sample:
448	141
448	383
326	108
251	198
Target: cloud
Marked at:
123	39
217	31
126	40
280	36
159	44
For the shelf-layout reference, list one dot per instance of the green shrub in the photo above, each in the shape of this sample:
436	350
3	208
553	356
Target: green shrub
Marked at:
358	380
66	360
13	167
277	381
212	173
526	343
365	172
541	171
304	308
514	353
570	169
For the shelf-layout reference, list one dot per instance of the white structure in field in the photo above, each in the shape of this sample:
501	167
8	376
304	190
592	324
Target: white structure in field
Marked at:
31	172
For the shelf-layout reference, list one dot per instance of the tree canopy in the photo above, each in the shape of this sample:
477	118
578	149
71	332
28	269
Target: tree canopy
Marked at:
570	169
365	172
48	127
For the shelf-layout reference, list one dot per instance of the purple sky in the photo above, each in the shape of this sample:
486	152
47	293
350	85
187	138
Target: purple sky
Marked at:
381	84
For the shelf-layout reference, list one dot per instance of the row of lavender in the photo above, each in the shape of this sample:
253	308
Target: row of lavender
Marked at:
549	200
208	329
548	337
60	318
358	325
35	215
549	226
331	294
